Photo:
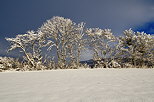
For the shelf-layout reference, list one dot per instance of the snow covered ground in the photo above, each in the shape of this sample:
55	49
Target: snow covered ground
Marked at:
81	85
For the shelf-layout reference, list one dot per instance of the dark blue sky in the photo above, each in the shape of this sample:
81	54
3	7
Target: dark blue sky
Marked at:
18	16
148	28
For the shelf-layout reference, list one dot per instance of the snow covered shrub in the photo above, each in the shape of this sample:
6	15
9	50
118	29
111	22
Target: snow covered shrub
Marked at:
8	63
113	64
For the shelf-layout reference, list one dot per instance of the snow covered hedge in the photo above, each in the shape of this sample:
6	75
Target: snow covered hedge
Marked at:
8	63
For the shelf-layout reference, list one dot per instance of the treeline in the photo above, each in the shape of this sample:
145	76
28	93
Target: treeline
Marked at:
66	40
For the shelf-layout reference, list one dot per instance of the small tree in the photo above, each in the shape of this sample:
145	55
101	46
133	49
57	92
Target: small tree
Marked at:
29	44
98	41
137	46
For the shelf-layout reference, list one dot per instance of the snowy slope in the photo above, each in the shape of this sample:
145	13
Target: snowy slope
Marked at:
81	85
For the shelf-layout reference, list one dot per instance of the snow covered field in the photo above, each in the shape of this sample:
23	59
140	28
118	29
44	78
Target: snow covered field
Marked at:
81	85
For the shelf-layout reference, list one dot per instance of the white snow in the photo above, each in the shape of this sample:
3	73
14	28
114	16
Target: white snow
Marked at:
81	85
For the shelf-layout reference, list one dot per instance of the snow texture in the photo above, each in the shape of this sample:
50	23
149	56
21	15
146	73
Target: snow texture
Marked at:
81	85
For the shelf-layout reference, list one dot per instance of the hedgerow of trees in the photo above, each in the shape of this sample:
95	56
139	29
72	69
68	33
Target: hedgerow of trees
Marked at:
65	41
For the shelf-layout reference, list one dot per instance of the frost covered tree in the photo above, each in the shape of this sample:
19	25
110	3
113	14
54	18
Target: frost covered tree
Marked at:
29	44
66	40
98	41
63	36
76	45
136	46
